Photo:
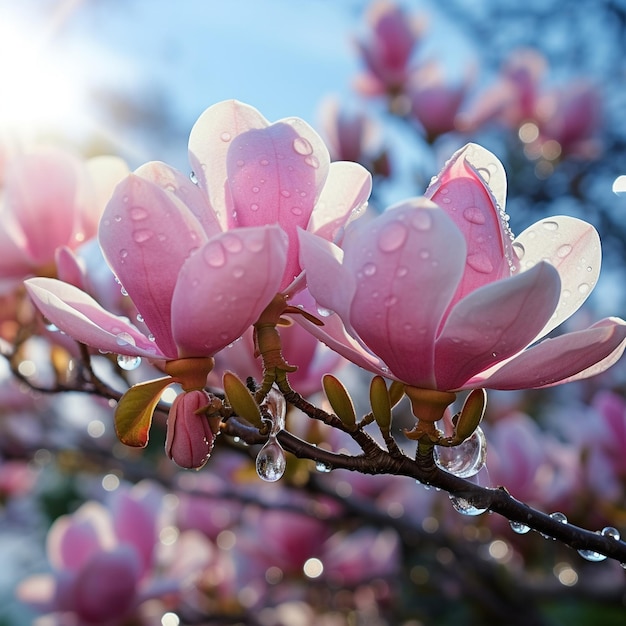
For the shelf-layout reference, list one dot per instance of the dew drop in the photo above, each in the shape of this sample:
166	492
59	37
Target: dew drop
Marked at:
117	218
519	528
312	161
254	206
609	531
238	272
422	220
193	178
123	253
51	328
559	517
323	468
474	215
549	225
369	269
214	255
322	312
271	462
125	339
138	213
140	318
485	174
466	507
128	362
592	555
264	162
142	235
564	250
392	236
424	254
302	146
466	459
391	300
226	137
232	243
583	288
480	262
296	210
402	271
285	193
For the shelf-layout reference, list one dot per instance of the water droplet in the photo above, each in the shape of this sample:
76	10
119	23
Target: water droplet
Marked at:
140	318
151	337
549	225
392	236
609	531
584	288
312	161
391	300
474	215
519	528
271	462
402	271
50	327
118	218
254	206
238	272
296	210
142	235
125	339
485	174
466	459
480	262
264	162
138	213
369	269
422	220
256	189
128	362
465	507
285	193
564	250
323	468
225	137
592	555
322	312
302	146
232	243
424	254
193	178
214	254
123	253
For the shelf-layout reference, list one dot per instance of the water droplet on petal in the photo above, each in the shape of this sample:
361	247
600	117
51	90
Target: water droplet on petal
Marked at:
138	213
125	339
564	250
142	235
302	146
312	161
519	249
549	225
285	193
322	312
424	254
214	254
402	271
466	459
271	462
225	137
117	218
128	362
193	178
232	243
238	272
369	269
296	210
422	220
519	528
584	288
50	327
474	215
254	206
480	262
392	236
391	300
256	189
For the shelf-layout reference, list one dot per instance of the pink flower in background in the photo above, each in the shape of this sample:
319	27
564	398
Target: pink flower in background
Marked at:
47	182
443	298
105	562
387	48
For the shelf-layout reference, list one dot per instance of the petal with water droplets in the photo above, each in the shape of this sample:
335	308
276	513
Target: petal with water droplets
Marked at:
493	323
223	288
82	318
573	247
146	237
407	264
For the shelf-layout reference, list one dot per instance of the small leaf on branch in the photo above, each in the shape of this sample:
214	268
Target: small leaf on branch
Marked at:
471	415
340	400
381	404
133	414
396	392
241	400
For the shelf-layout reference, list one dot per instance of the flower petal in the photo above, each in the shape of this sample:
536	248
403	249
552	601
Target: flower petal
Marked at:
345	193
572	356
464	191
573	247
275	175
184	191
209	142
146	237
82	318
494	323
407	263
224	287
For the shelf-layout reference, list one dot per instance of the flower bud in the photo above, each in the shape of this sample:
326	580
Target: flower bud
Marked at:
189	436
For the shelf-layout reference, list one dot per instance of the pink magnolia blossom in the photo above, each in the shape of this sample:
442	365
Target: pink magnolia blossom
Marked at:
440	296
51	198
105	562
387	49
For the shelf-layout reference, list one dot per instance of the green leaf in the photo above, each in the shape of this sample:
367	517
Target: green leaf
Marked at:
133	415
241	400
340	400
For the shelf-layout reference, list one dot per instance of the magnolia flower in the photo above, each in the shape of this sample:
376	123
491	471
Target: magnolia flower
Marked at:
105	562
441	297
48	182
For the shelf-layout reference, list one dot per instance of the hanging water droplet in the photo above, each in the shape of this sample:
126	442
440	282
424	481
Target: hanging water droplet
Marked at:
125	339
193	178
271	462
519	528
466	507
50	327
323	468
559	517
592	555
609	531
140	318
128	362
466	459
322	312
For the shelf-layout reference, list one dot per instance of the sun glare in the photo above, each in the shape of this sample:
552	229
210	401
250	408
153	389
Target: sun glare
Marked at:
41	91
